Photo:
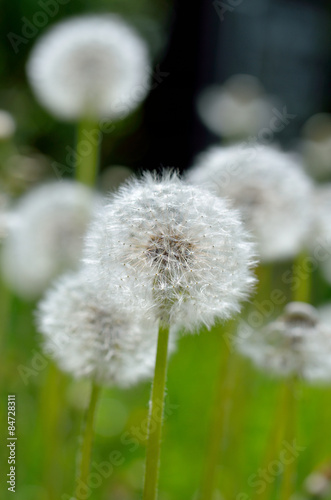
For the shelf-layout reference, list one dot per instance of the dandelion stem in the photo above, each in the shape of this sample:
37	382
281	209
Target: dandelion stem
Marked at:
289	409
6	302
223	393
275	437
87	435
302	278
87	152
155	417
50	405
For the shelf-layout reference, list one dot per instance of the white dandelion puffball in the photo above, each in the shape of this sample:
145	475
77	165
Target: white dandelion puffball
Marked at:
236	109
7	125
270	189
174	251
90	337
297	343
93	66
320	234
45	236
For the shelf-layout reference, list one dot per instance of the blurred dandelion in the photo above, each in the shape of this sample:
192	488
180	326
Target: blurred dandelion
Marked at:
235	110
45	235
90	66
259	181
89	336
318	483
90	70
298	343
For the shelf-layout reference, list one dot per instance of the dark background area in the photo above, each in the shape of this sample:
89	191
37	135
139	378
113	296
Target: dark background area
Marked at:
286	44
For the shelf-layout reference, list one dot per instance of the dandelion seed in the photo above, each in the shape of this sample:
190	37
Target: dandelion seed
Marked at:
297	343
179	267
45	235
93	66
90	337
270	189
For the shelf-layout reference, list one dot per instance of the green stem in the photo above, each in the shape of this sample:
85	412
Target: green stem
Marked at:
223	394
85	456
88	146
289	411
155	417
6	303
275	437
51	404
302	279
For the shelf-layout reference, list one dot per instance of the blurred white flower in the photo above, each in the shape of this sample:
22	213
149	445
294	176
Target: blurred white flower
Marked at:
88	336
316	145
174	251
236	109
7	125
45	235
270	189
297	343
93	66
318	484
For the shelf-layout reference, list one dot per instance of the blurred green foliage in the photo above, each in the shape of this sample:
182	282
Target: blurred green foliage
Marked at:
51	404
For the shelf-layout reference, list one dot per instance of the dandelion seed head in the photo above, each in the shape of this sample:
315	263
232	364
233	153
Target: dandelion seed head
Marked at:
175	251
297	343
95	66
45	236
260	182
91	337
